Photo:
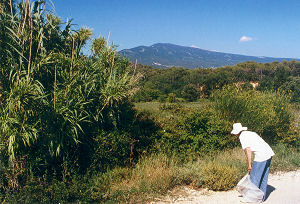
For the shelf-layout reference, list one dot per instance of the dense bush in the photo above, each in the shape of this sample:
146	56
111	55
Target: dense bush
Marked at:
205	132
191	92
188	133
63	113
267	113
292	86
123	147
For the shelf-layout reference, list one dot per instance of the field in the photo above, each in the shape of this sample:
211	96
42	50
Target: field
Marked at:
154	106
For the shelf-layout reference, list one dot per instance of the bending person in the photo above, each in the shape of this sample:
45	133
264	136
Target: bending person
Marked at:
252	142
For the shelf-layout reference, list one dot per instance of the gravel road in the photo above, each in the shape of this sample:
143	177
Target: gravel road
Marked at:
283	188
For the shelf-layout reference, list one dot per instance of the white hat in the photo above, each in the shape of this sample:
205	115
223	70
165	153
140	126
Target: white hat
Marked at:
237	128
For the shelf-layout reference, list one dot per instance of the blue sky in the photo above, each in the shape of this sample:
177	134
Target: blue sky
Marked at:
251	27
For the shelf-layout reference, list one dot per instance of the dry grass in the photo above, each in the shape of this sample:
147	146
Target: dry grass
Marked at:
155	175
154	106
152	176
219	177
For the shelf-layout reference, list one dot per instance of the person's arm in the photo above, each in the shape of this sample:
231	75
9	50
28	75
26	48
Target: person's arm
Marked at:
248	155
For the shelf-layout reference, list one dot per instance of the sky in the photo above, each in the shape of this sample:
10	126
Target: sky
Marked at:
250	27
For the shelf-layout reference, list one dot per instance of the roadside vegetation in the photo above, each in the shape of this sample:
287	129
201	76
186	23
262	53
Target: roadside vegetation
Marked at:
77	128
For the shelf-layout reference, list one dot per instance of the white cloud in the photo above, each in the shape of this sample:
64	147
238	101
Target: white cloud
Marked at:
245	39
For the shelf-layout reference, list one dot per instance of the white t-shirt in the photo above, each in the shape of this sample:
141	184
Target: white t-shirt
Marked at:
262	151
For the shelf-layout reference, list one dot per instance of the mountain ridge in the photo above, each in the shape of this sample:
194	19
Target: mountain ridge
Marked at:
165	55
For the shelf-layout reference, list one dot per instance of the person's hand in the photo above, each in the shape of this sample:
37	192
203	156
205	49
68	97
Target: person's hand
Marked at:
249	168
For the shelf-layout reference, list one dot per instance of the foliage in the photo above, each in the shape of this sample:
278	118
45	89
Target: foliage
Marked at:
201	82
171	98
218	177
123	147
190	92
267	113
205	132
292	85
189	132
57	105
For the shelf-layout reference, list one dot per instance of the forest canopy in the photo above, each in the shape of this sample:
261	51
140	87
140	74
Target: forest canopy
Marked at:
193	84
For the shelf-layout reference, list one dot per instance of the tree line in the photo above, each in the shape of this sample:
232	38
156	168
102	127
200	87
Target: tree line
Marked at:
192	84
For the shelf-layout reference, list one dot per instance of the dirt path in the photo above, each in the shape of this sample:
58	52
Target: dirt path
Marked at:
283	188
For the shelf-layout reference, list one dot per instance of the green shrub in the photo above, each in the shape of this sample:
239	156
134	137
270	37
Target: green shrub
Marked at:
111	149
292	85
219	177
123	147
188	132
191	92
267	113
162	98
146	94
171	98
205	132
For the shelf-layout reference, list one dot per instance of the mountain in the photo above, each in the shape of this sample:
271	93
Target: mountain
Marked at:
168	55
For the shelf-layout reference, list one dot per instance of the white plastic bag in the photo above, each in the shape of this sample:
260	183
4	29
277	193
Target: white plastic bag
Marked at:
249	191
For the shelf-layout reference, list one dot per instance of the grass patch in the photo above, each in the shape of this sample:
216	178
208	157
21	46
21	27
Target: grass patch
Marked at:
153	176
285	158
154	106
219	177
147	106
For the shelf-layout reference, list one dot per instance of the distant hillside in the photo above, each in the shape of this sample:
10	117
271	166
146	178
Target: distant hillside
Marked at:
168	55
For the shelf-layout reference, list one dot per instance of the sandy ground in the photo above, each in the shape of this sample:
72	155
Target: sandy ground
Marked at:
283	188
